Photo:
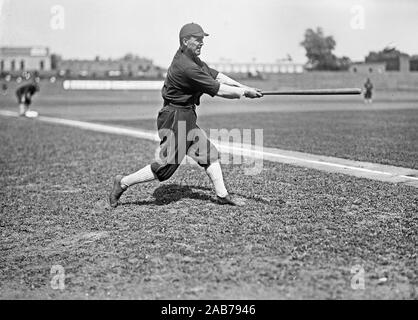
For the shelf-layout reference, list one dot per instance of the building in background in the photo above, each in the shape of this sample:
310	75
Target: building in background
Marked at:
16	60
394	59
129	66
254	68
364	67
404	63
24	61
413	63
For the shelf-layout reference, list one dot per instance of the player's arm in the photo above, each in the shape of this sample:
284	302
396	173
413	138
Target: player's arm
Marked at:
233	92
232	89
206	83
224	79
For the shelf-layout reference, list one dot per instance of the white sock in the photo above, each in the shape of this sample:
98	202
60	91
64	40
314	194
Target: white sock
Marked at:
143	175
214	172
22	109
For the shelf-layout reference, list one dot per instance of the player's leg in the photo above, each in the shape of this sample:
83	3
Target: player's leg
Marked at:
21	105
28	101
22	109
162	169
368	96
207	156
143	175
122	183
27	106
173	125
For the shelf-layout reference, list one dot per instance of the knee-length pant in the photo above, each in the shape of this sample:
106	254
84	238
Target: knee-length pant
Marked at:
180	135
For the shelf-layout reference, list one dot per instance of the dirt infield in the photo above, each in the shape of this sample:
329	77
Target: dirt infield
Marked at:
300	235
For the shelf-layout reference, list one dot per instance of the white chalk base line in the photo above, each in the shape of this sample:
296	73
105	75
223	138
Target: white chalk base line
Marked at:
359	169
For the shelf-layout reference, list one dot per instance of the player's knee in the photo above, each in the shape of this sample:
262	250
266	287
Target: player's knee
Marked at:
163	177
163	172
212	156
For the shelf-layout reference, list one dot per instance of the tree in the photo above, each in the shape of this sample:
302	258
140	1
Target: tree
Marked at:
128	57
319	51
131	57
343	63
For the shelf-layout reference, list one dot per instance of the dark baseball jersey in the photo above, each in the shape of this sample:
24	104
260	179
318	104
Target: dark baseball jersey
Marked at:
25	93
187	79
369	87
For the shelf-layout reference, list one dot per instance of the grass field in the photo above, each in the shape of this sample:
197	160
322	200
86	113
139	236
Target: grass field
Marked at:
298	237
382	136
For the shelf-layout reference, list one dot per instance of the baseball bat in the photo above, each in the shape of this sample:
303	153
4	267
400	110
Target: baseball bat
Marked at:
314	92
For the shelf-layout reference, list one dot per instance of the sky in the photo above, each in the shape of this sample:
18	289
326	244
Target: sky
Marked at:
240	30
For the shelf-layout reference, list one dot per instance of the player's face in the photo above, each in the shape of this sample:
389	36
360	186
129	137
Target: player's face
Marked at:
195	44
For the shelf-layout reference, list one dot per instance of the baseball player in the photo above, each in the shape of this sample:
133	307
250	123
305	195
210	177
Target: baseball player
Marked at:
24	97
188	78
368	92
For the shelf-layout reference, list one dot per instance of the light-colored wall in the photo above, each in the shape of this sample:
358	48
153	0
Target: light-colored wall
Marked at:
258	67
30	63
404	64
365	68
102	67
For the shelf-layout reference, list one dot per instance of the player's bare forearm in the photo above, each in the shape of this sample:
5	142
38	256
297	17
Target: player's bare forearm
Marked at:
230	92
224	79
234	92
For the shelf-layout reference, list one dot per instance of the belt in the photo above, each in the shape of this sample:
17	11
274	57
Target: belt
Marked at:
179	106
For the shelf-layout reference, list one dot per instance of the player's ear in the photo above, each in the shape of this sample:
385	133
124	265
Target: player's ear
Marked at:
184	41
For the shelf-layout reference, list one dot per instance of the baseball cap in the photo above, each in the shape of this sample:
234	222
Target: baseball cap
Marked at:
192	29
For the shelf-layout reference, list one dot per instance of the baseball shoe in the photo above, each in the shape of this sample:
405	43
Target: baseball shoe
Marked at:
226	200
116	191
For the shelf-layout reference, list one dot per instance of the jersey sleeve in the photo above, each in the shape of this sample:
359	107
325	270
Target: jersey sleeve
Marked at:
214	73
202	81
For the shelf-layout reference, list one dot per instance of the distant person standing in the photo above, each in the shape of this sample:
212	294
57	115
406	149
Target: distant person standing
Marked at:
24	96
368	93
4	89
